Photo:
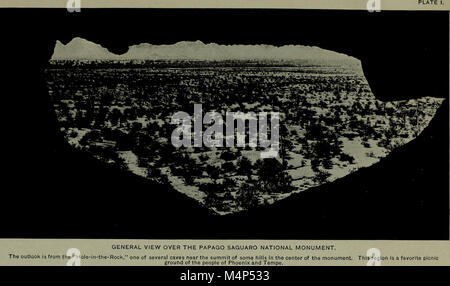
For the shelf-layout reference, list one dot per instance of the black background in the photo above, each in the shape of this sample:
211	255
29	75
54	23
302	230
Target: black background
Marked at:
50	190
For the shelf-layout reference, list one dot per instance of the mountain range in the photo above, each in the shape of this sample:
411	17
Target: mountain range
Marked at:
81	49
